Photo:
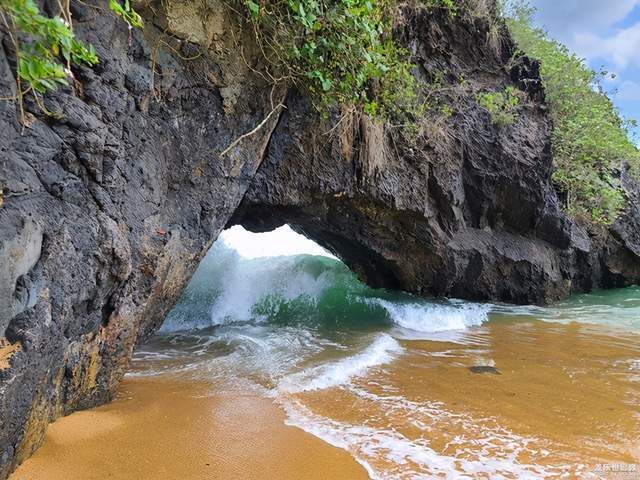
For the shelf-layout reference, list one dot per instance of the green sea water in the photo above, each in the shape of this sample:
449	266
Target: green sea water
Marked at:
295	327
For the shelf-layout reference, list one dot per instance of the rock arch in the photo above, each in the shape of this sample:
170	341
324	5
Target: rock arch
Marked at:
107	211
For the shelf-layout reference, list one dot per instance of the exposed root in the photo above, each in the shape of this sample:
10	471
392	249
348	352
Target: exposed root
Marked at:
248	134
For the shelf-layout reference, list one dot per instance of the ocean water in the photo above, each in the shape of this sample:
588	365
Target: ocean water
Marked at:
414	388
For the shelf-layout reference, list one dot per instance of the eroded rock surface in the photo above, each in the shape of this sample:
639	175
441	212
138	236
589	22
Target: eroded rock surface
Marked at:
469	211
109	208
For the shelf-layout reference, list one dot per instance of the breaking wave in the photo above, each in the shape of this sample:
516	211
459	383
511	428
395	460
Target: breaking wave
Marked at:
383	350
305	289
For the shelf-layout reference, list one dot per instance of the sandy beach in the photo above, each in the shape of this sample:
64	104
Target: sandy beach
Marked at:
163	428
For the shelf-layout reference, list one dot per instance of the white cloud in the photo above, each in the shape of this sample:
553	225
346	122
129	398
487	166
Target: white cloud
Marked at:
585	26
622	49
565	18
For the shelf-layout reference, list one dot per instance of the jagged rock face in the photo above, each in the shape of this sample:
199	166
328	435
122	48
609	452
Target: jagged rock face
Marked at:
468	212
109	208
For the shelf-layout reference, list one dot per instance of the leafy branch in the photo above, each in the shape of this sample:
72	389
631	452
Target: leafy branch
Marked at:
127	13
338	51
46	47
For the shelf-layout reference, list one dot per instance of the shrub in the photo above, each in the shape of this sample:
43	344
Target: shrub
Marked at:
590	139
449	5
45	47
500	105
338	51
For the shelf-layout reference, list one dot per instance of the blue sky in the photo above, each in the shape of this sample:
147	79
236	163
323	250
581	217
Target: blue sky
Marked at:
607	34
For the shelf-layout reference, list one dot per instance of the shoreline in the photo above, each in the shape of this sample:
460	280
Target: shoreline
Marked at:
507	398
163	427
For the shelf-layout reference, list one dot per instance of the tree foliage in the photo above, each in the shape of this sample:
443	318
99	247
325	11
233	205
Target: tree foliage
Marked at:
339	51
590	139
46	47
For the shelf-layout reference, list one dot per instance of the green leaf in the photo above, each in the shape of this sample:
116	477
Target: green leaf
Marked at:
254	8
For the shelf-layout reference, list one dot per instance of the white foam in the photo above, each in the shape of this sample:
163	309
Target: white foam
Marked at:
432	318
246	284
383	350
387	454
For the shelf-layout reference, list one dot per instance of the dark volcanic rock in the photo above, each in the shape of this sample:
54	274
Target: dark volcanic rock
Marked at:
482	369
109	208
468	212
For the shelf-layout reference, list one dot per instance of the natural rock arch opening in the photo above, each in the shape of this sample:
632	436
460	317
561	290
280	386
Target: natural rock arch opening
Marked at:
273	276
330	233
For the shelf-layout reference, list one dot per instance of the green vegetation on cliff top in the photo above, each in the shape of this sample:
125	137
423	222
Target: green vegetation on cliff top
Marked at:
590	139
343	52
340	51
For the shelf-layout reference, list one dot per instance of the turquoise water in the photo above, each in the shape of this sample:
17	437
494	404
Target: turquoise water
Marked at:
290	326
322	293
619	308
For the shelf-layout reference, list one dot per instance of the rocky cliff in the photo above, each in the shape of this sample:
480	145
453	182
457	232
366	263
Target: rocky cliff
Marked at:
109	205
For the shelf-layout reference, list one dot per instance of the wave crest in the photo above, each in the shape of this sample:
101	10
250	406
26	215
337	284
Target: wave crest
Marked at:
304	289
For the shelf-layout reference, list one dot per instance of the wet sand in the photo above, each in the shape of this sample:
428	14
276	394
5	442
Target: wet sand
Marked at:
163	428
559	399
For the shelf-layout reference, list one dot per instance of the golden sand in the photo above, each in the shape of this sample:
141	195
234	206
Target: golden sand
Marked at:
166	429
571	391
7	350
